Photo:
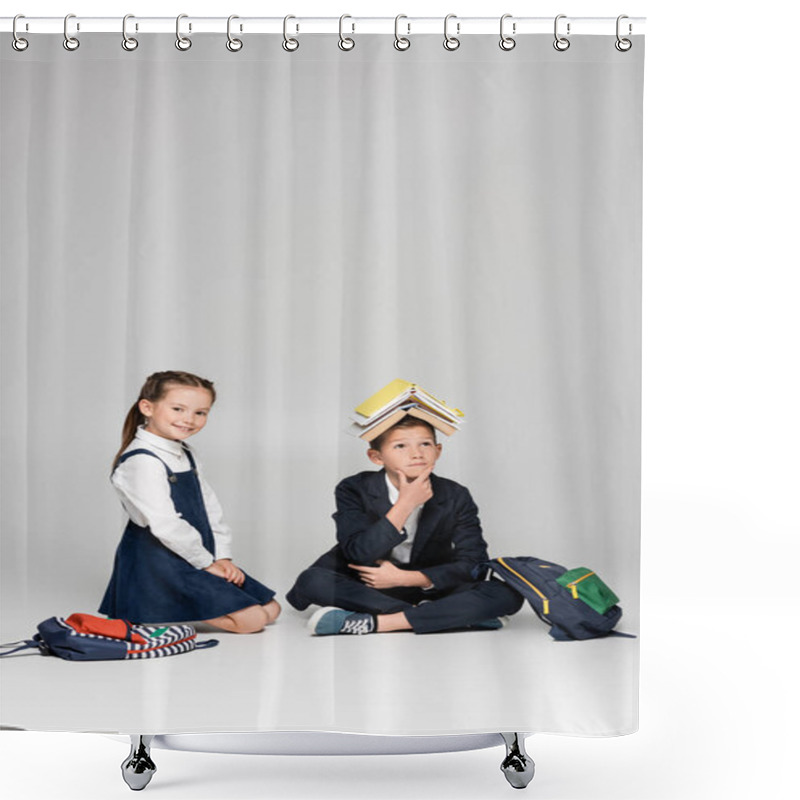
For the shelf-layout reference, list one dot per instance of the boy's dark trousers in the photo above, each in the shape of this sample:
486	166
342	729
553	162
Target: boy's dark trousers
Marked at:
461	607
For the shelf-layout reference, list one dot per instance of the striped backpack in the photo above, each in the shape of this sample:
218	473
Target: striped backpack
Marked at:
84	637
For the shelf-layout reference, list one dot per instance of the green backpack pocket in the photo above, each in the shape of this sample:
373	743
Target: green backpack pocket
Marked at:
586	585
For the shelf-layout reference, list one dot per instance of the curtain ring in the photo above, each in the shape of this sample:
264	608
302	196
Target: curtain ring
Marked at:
289	44
507	42
451	42
233	44
129	43
18	43
622	44
561	43
346	42
182	42
70	42
401	42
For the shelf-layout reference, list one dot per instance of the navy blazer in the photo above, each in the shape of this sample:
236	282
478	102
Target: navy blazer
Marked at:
448	544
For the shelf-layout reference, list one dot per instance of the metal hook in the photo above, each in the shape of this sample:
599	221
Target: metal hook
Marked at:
507	42
401	42
561	43
182	42
289	44
623	45
346	42
234	45
129	43
18	43
70	42
451	42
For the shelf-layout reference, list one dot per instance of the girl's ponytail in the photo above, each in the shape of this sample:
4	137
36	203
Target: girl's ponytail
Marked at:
155	387
134	419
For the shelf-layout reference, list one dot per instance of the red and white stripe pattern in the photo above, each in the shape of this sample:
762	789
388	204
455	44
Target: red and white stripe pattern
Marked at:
171	639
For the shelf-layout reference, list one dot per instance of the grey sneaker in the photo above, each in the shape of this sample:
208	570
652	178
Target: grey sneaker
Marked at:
329	621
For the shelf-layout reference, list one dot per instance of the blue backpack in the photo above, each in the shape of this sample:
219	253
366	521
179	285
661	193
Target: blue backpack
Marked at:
575	603
84	637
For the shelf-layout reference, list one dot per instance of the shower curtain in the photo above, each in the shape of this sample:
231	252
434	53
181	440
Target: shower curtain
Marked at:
303	227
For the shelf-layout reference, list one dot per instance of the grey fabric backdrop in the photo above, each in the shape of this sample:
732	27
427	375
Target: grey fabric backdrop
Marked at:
302	228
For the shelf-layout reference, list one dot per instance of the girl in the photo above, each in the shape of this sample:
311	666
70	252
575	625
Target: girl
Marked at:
174	561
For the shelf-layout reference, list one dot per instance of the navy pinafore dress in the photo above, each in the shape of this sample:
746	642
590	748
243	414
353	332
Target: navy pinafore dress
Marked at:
151	583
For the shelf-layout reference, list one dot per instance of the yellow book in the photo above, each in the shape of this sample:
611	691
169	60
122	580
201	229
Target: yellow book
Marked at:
383	397
398	391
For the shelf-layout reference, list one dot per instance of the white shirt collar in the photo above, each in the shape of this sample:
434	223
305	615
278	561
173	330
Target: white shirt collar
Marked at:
159	442
394	492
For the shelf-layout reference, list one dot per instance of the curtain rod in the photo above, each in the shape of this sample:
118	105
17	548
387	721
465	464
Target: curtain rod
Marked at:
349	24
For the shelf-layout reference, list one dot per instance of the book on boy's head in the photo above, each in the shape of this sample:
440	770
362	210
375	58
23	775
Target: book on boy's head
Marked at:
437	422
396	400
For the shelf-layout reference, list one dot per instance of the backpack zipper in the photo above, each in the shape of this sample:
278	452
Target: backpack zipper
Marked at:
545	601
571	586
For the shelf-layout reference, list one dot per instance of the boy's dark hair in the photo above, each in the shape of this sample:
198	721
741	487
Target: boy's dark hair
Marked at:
407	422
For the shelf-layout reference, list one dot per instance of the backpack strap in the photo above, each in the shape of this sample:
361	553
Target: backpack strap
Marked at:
22	644
562	636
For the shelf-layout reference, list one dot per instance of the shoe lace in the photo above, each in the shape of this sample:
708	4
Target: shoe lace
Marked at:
357	626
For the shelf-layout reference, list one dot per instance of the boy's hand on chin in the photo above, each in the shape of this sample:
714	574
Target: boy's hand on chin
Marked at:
418	490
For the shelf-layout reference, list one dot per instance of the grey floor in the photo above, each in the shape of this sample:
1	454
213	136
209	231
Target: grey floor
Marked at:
516	678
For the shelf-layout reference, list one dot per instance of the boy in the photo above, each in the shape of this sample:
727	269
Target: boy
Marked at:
408	541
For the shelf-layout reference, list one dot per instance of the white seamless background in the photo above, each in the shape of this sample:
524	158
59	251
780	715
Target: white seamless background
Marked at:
720	443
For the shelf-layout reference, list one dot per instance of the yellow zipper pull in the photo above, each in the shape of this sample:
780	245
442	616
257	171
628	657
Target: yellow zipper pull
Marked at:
572	586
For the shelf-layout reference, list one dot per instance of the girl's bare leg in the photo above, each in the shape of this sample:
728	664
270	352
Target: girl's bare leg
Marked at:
272	610
246	620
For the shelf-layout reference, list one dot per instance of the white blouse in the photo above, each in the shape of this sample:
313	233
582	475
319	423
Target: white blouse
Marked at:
142	485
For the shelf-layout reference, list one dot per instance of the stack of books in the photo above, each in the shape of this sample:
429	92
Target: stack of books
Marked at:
397	399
